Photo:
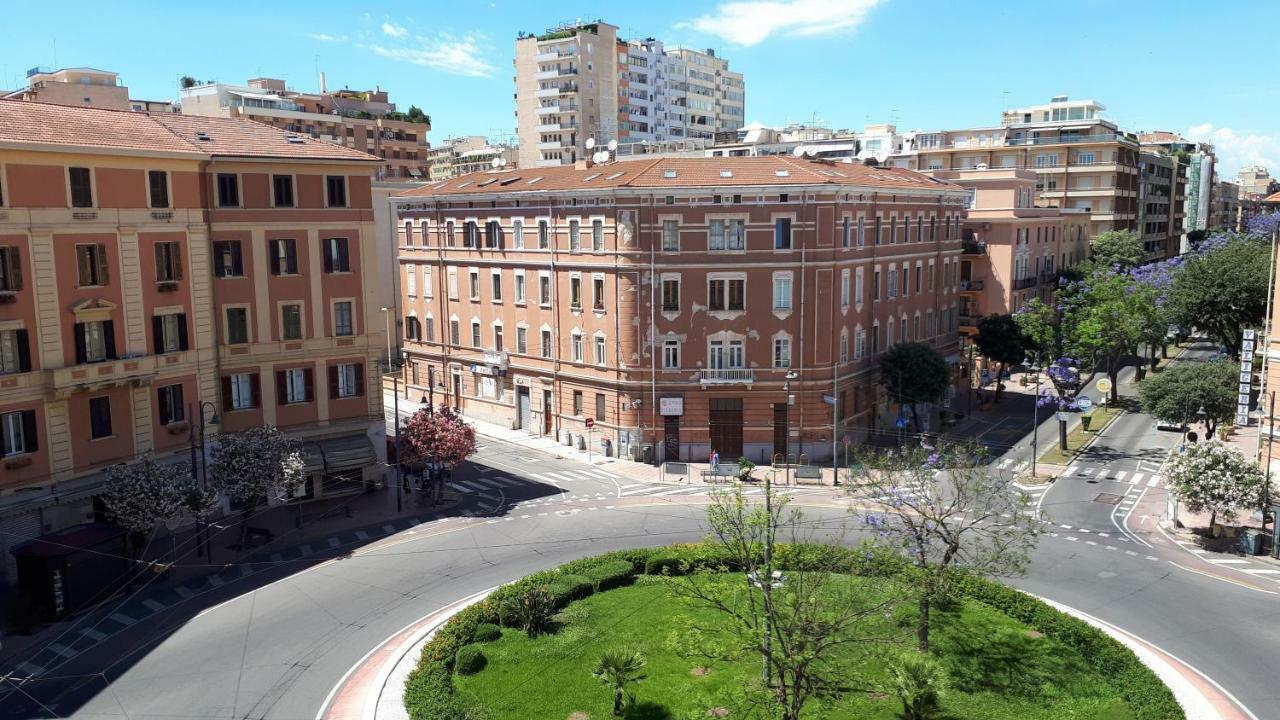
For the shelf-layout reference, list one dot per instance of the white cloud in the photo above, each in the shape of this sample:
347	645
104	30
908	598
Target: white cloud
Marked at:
446	53
1235	149
326	37
395	31
749	22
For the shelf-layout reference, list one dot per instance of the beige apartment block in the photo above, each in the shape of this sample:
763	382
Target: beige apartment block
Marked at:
1012	249
79	87
474	153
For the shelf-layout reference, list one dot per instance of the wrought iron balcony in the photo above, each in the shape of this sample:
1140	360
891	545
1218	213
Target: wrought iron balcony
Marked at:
727	376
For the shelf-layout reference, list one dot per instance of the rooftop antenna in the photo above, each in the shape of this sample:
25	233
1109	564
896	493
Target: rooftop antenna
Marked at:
1004	100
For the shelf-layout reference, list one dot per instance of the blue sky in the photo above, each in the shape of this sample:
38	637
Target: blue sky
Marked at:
1192	67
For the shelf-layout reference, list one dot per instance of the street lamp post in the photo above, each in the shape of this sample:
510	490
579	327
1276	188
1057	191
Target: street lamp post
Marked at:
768	539
1035	427
202	539
386	313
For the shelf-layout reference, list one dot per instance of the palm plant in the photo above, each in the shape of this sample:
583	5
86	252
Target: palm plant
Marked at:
917	680
617	669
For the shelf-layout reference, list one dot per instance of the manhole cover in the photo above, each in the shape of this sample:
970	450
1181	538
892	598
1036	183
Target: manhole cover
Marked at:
1108	498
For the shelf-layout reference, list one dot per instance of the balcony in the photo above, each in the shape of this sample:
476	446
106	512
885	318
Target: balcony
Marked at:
727	376
1024	283
566	89
550	127
554	73
131	371
971	285
969	322
553	56
553	145
496	358
973	247
555	109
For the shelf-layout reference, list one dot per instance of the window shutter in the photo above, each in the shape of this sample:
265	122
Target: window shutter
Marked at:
160	256
24	350
104	278
333	382
360	378
82	352
328	256
177	261
273	249
157	332
226	393
15	268
291	248
237	259
29	434
109	338
309	384
255	390
182	331
162	398
282	395
344	254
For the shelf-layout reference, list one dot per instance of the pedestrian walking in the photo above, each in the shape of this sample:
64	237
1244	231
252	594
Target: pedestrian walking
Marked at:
715	461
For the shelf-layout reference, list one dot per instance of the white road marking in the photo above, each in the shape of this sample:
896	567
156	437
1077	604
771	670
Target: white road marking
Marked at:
1071	470
186	592
1226	561
1087	471
93	634
62	650
30	669
1152	482
1136	478
155	605
125	619
1120	474
1260	571
624	487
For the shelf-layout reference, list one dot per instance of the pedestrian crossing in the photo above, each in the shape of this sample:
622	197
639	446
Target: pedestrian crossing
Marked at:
493	483
1131	477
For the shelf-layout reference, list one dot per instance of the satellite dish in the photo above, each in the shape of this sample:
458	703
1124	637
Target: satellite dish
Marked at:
502	162
591	143
798	151
496	163
602	157
613	145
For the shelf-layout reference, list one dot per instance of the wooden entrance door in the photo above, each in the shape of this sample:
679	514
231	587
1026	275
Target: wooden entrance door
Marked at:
780	429
726	428
671	438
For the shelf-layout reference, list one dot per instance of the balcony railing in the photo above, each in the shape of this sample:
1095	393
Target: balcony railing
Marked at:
1062	139
970	285
1024	283
969	321
973	247
728	376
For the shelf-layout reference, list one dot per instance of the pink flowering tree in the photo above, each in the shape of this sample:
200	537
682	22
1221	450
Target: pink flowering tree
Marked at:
439	437
144	494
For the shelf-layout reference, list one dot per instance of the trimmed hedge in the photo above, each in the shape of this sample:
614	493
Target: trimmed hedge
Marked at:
429	693
470	660
486	632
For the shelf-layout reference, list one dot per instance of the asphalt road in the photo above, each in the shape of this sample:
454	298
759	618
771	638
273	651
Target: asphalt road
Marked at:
276	650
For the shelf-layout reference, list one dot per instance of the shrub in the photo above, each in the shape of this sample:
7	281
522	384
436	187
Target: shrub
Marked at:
486	632
531	611
689	558
609	574
470	660
916	679
567	588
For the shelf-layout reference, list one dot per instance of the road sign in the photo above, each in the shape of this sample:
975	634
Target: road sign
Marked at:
1062	417
1249	334
591	422
829	399
900	423
1104	385
1084	403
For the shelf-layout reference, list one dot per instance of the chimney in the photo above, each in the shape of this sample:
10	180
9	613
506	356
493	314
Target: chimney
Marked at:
580	165
323	88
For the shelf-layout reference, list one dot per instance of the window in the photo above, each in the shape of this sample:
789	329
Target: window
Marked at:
448	233
91	265
671	354
169	401
158	188
520	292
859	344
237	326
577	402
452	280
736	238
544	290
470	234
846	232
893	230
782	234
546	343
726	294
475	333
670	235
337	256
473	281
522	340
410	279
498	345
15	352
291	322
428	332
282	189
95	341
597	293
227	260
493	234
517	234
343	319
99	417
671	294
10	269
81	187
597	236
858	277
336	190
844	288
294	386
875	285
346	380
875	338
495	280
284	257
454	336
575	347
600	403
893	282
600	350
844	346
575	236
169	333
919	271
906	279
228	190
544	235
879	230
168	262
19	432
575	292
782	292
782	352
715	235
426	281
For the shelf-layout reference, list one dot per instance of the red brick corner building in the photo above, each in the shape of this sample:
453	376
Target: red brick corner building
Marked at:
667	300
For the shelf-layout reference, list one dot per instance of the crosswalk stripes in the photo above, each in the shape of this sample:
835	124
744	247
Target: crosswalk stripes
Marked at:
1136	478
1152	482
1120	474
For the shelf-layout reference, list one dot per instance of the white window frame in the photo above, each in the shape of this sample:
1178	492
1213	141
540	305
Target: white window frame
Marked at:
241	391
781	351
295	386
670	354
520	289
348	381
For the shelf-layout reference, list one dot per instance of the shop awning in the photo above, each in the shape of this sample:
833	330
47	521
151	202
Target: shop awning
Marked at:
330	455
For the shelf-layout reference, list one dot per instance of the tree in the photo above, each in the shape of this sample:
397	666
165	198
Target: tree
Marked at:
1216	478
1120	249
1105	317
617	669
146	493
1183	389
1038	324
250	466
1001	340
415	115
437	436
945	514
187	82
1223	288
800	625
1064	381
914	373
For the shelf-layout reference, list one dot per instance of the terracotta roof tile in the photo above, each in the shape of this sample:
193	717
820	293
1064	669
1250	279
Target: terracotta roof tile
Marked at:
38	123
683	173
1273	198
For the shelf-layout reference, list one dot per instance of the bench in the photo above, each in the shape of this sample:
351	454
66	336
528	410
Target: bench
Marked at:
725	473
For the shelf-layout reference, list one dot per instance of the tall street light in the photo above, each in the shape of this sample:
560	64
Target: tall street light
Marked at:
386	311
766	585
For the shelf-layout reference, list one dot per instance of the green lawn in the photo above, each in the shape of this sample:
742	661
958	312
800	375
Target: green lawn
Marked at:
998	670
1077	438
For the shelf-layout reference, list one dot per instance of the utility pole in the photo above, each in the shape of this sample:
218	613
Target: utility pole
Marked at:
395	403
1035	427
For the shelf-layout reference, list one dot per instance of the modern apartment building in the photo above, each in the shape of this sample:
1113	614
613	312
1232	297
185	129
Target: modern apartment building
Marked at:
1081	161
1012	250
1162	188
1225	213
365	120
78	87
580	82
1202	175
654	308
1256	182
462	155
162	275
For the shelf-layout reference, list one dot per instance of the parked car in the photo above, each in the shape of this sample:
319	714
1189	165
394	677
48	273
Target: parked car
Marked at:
1171	426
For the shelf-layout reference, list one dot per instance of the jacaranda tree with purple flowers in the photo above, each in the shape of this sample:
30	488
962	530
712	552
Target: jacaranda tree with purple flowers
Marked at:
1060	394
946	511
1104	319
1222	288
